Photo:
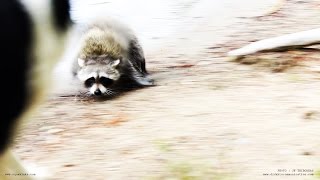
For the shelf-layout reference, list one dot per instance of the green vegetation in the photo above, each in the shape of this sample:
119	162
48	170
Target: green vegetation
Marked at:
180	167
317	174
193	171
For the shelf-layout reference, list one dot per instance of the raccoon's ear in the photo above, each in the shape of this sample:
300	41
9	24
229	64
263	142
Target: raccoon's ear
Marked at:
115	63
81	62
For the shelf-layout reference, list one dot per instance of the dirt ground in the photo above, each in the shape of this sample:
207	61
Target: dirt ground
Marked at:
207	117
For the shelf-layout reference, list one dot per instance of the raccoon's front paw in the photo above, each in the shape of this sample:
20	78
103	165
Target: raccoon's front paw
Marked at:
146	81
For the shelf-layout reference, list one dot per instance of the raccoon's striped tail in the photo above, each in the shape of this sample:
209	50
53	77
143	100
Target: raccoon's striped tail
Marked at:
285	42
32	35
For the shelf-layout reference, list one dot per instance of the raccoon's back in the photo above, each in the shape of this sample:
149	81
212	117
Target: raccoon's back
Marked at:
98	42
106	36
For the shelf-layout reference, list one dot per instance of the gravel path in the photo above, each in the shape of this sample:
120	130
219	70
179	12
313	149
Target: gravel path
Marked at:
208	117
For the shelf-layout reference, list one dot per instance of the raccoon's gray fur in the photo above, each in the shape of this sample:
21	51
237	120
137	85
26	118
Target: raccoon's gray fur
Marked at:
110	58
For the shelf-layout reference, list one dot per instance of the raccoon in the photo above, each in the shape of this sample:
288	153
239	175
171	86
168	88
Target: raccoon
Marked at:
32	35
110	59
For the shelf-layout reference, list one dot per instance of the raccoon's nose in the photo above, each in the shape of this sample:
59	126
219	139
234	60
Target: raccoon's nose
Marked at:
97	92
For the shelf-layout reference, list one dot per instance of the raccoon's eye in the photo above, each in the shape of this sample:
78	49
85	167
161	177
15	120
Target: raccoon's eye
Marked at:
105	81
89	82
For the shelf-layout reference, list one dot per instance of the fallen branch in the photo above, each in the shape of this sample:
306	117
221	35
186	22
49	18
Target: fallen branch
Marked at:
281	43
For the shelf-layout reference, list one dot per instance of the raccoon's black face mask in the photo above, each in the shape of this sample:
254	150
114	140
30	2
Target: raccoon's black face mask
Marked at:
99	86
98	76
